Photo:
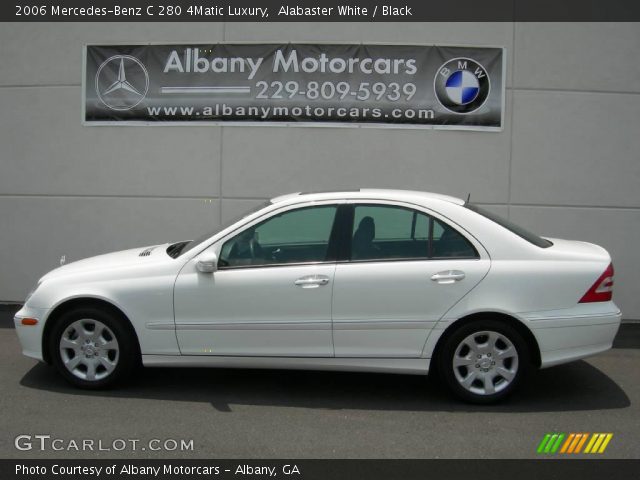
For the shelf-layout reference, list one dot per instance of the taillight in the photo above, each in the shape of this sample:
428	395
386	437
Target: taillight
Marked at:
602	289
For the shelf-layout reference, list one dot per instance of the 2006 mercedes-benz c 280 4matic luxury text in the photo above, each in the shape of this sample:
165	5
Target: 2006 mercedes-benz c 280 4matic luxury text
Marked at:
369	280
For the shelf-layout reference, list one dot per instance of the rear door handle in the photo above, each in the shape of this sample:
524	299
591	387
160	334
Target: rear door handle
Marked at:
448	276
312	281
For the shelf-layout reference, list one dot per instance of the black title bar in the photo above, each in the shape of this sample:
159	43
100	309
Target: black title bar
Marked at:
320	11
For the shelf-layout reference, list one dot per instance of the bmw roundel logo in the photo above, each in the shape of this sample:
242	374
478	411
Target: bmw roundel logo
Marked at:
462	85
122	81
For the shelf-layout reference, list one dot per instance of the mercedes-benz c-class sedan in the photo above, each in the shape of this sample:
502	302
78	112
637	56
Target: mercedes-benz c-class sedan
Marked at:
368	280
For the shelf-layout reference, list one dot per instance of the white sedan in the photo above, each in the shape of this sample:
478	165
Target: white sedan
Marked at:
368	280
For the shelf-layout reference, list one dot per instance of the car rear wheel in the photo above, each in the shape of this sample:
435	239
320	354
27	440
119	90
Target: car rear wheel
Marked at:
92	348
484	361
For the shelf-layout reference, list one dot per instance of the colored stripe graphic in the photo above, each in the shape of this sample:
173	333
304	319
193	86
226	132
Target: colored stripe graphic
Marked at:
594	437
573	443
547	448
556	445
550	443
607	439
581	443
598	443
543	443
567	442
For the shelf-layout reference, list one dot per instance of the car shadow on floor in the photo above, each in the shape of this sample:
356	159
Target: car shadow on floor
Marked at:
572	387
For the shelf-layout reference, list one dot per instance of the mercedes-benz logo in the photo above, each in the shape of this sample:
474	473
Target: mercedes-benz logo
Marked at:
122	81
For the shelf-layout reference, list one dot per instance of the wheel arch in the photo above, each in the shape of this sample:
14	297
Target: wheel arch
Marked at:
527	334
82	302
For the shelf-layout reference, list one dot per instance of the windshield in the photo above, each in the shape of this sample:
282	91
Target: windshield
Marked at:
512	227
181	248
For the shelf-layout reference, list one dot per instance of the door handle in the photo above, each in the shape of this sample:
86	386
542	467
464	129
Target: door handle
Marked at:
312	281
448	276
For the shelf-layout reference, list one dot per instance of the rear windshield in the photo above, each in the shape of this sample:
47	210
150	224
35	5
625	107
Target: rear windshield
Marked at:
512	227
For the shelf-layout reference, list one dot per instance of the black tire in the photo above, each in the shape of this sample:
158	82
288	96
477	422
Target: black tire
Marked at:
125	357
489	383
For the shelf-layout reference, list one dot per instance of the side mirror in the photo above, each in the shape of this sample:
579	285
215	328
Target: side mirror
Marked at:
207	262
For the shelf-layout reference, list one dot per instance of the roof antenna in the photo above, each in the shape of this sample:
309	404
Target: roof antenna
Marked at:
468	197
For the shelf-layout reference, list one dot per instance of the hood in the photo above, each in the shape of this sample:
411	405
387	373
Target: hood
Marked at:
110	261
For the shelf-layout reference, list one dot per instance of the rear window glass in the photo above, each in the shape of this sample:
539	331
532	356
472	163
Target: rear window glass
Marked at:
512	227
385	232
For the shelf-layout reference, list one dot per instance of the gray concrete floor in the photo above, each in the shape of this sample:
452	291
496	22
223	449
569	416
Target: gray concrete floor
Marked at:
278	414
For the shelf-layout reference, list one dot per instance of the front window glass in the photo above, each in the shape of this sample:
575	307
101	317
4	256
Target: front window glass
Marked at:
181	248
295	236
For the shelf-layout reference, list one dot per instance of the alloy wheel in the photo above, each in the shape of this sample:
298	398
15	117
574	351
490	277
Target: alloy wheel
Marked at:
89	349
485	362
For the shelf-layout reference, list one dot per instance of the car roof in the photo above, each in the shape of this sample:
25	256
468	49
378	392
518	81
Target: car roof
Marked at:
366	193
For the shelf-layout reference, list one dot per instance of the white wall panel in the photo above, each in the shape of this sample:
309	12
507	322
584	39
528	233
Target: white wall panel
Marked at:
46	151
51	54
577	56
37	231
576	149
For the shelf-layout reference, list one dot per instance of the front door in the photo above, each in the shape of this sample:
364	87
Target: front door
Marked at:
271	295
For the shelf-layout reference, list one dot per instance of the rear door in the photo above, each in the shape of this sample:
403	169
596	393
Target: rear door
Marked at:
401	272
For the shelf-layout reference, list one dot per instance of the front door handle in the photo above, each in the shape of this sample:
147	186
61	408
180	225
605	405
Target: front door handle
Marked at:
312	281
448	276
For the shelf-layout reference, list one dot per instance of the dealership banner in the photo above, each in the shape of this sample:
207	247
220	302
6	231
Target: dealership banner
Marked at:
295	84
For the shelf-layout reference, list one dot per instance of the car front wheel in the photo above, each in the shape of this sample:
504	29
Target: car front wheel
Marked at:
484	361
92	348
